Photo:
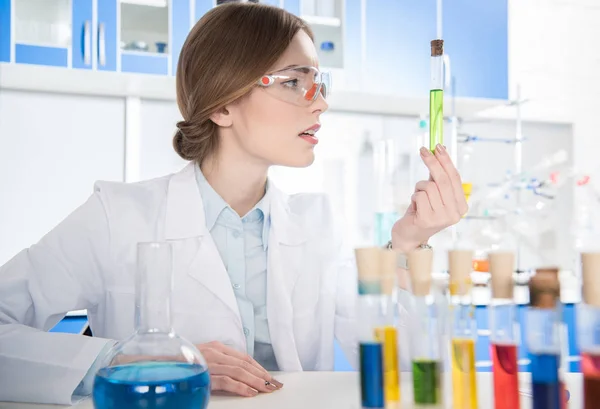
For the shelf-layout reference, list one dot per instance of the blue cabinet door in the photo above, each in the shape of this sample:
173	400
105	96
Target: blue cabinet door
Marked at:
398	35
352	43
106	47
181	26
293	6
271	2
201	7
82	52
5	39
58	56
476	40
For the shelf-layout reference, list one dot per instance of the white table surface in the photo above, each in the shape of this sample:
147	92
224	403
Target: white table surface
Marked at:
337	390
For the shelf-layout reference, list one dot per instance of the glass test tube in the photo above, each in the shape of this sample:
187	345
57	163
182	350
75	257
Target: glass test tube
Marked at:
543	339
436	95
504	331
425	346
386	332
588	333
371	349
464	331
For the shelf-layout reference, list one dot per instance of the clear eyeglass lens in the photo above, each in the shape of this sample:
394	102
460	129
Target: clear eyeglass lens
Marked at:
300	85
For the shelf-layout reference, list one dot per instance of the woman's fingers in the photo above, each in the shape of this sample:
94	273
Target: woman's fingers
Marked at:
241	356
231	368
219	358
433	194
438	174
455	180
240	374
225	383
422	206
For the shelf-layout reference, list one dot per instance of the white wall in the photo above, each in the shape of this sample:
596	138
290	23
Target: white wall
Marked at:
53	148
554	56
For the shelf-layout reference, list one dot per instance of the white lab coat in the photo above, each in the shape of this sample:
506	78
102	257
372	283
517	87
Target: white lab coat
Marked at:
89	260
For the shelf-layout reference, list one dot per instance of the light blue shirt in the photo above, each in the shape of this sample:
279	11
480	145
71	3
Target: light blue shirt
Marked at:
242	243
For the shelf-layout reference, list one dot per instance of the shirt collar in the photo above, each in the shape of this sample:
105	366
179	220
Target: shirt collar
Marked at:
214	205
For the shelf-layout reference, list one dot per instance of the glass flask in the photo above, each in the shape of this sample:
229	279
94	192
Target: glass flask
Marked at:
154	368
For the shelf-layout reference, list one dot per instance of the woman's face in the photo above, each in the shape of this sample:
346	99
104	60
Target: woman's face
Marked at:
269	128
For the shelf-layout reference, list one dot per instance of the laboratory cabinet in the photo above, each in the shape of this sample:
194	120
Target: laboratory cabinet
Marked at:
48	32
374	46
138	36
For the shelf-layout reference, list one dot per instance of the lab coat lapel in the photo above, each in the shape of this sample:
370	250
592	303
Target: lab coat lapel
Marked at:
285	231
194	250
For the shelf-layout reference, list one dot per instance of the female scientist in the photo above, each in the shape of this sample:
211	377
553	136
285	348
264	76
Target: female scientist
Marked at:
262	279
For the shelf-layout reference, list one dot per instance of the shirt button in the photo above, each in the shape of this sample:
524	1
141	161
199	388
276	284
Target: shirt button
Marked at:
236	286
246	331
236	234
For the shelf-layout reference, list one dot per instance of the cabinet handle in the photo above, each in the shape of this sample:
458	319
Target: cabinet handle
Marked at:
87	42
102	44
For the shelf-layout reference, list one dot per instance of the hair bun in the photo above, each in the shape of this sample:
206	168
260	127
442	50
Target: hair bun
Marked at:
179	141
193	141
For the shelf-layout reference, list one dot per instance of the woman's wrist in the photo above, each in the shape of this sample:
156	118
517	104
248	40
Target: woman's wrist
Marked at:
403	245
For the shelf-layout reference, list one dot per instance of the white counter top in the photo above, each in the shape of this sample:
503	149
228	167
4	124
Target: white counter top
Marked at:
337	390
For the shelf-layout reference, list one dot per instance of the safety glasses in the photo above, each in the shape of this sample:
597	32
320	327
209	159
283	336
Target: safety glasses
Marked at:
297	85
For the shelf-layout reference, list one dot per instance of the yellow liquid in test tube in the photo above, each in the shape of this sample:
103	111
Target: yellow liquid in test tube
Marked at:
391	378
464	382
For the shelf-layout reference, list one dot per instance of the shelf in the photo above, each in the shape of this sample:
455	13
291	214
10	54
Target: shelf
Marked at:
322	21
101	83
144	53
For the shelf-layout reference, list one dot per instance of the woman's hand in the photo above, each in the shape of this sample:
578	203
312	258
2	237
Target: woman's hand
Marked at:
235	372
436	204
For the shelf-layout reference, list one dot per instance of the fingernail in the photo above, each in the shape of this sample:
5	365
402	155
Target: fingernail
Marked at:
270	385
252	391
439	148
425	152
276	383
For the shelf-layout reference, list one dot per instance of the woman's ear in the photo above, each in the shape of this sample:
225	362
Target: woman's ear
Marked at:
222	118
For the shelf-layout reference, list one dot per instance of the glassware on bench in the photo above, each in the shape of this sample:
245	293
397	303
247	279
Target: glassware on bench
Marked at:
154	367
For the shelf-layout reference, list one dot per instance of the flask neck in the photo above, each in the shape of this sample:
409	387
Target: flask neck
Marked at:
153	288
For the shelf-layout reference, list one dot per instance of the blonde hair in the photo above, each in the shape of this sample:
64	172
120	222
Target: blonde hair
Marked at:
223	57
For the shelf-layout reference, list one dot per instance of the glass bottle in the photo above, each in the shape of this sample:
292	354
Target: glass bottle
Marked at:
153	368
464	330
504	331
425	341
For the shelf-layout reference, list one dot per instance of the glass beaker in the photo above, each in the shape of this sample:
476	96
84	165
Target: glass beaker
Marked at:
153	368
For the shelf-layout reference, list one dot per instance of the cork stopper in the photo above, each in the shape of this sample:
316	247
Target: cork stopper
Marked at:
501	271
376	270
590	274
544	288
367	264
420	263
437	48
461	265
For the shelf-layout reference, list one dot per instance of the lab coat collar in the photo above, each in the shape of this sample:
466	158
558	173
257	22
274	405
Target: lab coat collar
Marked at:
185	216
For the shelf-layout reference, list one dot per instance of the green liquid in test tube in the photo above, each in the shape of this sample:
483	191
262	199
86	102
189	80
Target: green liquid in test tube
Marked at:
436	95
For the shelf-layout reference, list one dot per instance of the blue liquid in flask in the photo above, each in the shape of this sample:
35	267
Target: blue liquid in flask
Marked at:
152	385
